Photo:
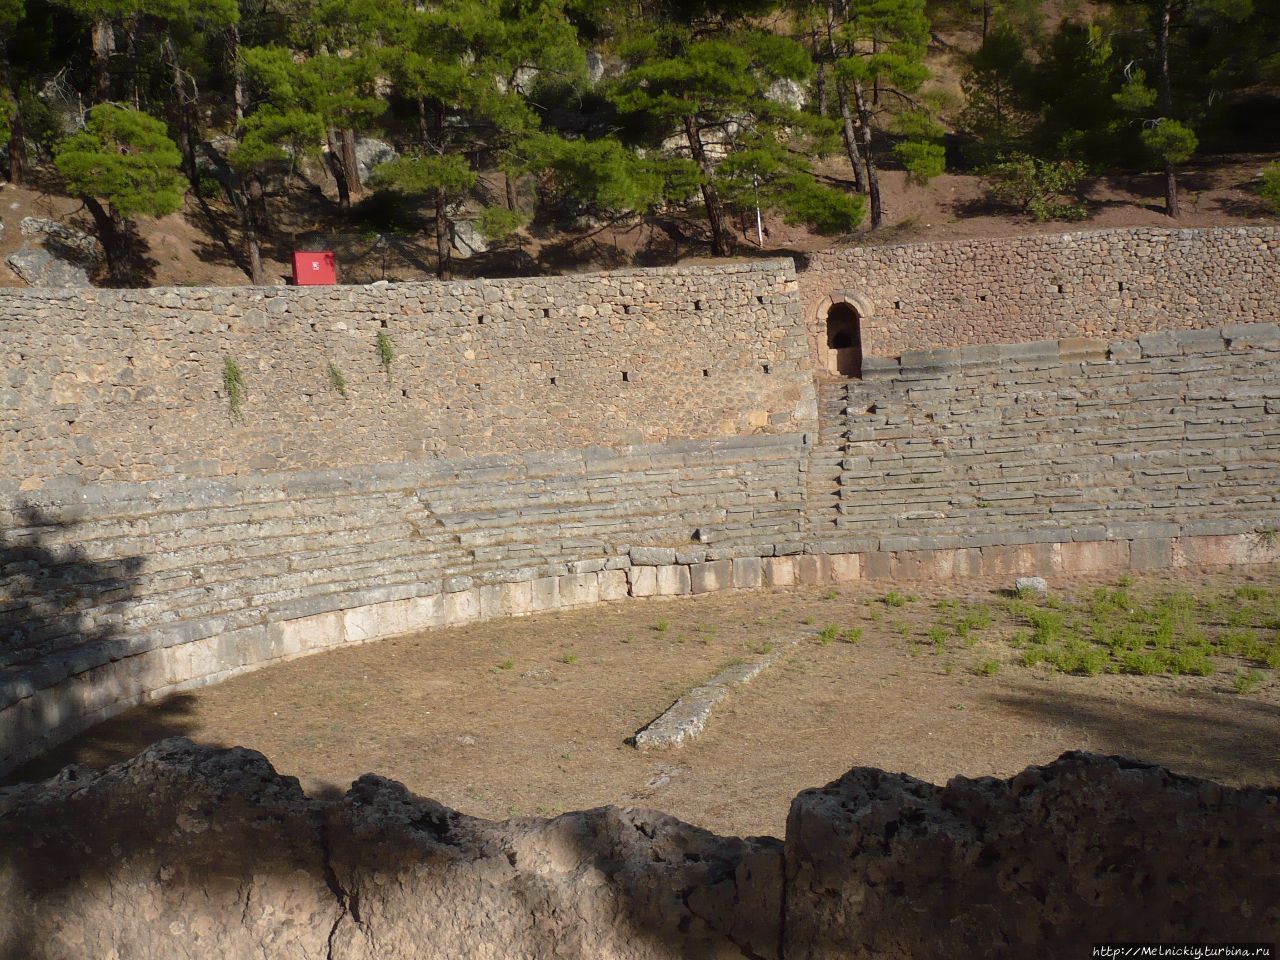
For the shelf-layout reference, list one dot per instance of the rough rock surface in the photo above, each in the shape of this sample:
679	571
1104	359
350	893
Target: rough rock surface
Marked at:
370	153
788	92
40	268
467	239
66	242
189	851
64	258
688	716
1084	850
182	851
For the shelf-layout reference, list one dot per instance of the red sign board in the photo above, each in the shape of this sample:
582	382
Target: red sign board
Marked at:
313	268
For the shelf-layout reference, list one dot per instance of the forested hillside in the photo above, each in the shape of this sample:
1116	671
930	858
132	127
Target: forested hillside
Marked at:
508	131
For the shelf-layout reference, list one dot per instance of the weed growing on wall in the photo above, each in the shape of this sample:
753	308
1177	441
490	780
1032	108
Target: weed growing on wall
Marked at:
337	380
233	385
386	353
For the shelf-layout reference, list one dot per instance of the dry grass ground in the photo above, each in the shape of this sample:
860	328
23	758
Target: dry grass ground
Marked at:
530	716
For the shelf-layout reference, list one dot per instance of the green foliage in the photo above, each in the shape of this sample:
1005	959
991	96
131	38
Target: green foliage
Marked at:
1074	87
764	169
386	352
1117	629
337	380
1045	189
270	136
828	211
1246	683
605	174
998	110
828	634
233	387
1169	142
499	223
702	90
124	157
987	668
424	175
923	160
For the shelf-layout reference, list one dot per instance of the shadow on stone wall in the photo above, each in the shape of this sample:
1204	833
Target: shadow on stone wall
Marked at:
61	612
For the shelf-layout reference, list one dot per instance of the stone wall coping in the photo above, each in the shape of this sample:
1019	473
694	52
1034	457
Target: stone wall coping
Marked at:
1265	233
783	267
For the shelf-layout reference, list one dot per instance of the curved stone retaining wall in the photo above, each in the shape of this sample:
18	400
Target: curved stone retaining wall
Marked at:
133	384
1100	283
128	576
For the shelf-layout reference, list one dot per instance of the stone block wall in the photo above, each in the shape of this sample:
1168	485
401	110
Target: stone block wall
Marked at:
1057	454
129	384
148	544
116	593
1102	283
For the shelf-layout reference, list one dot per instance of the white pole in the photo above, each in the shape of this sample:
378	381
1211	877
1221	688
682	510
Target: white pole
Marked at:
755	183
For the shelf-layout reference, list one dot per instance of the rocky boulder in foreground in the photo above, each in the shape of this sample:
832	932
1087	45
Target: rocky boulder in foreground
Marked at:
188	851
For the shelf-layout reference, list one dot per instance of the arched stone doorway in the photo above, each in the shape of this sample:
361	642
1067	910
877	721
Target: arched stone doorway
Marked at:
844	340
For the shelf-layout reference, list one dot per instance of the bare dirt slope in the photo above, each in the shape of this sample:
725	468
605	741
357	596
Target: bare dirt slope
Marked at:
188	249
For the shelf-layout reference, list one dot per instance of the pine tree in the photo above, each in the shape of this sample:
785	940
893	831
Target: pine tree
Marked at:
11	14
880	47
1192	53
466	66
707	81
334	86
996	84
122	164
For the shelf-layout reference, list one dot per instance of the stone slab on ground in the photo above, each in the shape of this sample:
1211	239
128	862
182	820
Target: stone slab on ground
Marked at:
687	717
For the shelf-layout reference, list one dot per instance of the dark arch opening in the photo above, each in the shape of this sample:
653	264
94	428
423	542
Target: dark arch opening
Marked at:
844	339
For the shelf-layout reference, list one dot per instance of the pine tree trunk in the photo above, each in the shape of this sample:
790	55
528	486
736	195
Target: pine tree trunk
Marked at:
720	245
17	146
253	249
111	236
821	79
182	113
104	45
252	228
1166	102
131	63
512	200
350	165
443	252
237	72
847	131
424	130
873	177
334	158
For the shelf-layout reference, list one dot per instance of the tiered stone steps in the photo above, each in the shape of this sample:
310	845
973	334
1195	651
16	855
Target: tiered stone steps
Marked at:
827	456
